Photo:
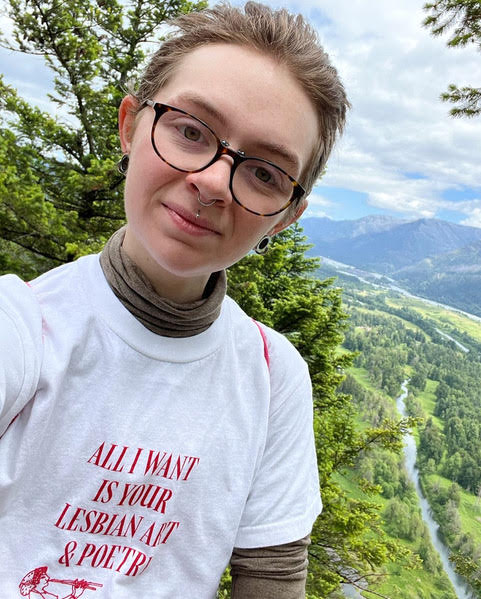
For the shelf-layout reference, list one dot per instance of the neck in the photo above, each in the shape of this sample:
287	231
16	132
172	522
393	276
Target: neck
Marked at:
182	290
163	316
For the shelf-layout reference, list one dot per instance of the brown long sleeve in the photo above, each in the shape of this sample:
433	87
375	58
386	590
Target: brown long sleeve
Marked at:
277	572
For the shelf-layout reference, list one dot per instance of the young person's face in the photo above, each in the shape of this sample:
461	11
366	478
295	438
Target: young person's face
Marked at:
247	99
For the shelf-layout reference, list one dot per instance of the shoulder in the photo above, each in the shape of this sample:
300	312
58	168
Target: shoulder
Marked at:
62	277
20	346
289	373
287	368
24	307
281	349
64	293
18	307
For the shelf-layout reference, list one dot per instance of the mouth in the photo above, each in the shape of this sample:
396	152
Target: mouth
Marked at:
188	222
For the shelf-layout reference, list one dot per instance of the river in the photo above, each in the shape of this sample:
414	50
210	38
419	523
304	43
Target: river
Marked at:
410	450
410	453
460	345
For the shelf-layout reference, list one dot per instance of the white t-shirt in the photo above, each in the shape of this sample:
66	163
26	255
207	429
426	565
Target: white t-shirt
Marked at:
137	462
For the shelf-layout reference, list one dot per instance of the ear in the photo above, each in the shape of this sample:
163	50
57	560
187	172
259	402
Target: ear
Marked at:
291	218
127	114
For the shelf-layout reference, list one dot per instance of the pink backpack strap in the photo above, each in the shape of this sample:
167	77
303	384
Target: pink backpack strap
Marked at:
264	340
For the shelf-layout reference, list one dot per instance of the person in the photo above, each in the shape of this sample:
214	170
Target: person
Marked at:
151	430
35	583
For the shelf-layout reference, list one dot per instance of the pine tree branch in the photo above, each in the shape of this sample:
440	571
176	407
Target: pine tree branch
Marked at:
72	78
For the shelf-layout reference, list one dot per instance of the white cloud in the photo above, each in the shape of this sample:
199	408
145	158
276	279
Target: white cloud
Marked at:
472	208
474	220
394	72
319	205
320	200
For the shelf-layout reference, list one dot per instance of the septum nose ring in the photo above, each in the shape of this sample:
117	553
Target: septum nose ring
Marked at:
203	204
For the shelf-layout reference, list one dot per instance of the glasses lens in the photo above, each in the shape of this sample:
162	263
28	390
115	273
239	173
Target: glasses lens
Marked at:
183	141
261	187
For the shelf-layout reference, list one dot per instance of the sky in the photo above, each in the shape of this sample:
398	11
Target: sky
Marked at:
401	155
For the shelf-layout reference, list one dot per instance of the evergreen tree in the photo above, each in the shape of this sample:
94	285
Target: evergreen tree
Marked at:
61	194
431	442
463	19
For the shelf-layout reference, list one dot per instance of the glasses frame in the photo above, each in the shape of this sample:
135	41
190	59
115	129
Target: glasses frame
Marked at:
223	149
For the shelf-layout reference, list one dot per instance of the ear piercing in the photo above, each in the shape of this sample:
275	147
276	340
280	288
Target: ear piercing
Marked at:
263	245
123	164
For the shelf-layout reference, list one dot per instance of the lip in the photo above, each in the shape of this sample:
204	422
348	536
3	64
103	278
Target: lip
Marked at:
187	222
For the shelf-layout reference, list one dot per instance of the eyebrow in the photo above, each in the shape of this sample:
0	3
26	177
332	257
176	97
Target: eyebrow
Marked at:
282	151
198	101
263	146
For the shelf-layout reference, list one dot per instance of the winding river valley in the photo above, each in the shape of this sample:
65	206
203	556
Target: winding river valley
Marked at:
410	452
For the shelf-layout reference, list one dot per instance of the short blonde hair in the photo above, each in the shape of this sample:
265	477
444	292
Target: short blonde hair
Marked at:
285	37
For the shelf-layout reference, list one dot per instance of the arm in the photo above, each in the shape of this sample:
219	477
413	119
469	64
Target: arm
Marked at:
277	572
284	499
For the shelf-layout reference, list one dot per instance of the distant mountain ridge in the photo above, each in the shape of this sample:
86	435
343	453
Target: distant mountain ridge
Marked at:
329	230
453	278
430	257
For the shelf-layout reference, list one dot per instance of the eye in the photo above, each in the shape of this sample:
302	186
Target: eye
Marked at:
191	133
263	174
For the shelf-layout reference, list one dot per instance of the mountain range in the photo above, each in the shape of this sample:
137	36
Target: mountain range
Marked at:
429	257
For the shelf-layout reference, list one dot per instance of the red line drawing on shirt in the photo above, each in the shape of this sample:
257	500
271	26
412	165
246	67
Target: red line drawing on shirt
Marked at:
34	585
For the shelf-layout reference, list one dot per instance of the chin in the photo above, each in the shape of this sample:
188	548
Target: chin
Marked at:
179	267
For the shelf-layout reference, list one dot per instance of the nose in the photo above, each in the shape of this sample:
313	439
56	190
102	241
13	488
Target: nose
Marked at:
213	183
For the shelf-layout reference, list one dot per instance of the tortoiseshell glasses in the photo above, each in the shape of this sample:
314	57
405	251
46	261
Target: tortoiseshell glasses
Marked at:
189	145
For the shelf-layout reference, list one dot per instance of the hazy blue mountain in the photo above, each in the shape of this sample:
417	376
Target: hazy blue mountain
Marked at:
322	229
453	278
384	244
429	257
464	260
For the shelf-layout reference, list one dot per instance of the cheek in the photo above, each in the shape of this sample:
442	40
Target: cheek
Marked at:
146	169
251	229
146	176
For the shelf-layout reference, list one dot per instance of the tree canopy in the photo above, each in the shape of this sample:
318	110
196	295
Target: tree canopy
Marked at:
61	193
462	19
